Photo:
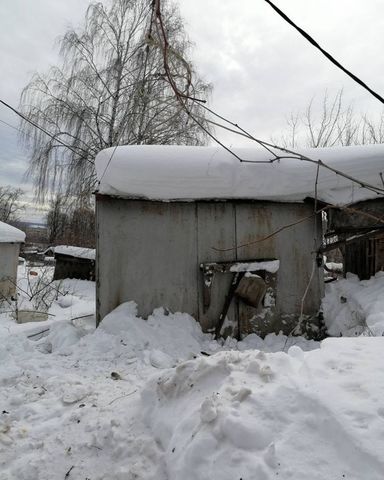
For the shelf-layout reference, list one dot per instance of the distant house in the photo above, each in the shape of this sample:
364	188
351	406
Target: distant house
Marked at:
10	240
235	244
74	262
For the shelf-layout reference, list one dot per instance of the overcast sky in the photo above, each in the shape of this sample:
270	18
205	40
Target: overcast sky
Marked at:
260	68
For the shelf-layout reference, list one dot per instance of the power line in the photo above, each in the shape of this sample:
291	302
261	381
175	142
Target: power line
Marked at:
291	153
53	136
324	52
10	126
183	98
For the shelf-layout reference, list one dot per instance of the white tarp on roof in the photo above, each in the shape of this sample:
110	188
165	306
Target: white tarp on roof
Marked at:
77	252
189	173
9	234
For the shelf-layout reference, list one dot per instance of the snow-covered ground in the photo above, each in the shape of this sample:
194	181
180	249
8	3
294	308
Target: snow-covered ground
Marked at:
158	399
352	307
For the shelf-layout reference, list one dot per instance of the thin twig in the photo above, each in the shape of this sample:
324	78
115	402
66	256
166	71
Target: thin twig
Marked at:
69	471
39	333
122	396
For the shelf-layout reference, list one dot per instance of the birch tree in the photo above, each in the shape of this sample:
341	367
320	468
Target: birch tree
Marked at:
110	89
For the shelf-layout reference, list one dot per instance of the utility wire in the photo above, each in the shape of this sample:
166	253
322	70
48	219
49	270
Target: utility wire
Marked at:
10	126
266	145
324	52
54	137
182	97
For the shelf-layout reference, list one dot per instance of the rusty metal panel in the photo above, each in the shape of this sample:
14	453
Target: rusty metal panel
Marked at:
147	252
294	248
150	252
216	243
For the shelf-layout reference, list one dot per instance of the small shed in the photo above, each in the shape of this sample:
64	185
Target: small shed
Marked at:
10	240
233	243
74	262
358	231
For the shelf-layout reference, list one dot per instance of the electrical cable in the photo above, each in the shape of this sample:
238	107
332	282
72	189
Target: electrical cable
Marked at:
324	52
46	132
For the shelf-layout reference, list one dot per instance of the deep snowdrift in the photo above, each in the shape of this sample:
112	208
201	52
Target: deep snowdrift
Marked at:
106	405
261	416
352	307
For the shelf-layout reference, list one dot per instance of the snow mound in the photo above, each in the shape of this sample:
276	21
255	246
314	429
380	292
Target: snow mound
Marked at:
248	415
165	339
174	336
352	307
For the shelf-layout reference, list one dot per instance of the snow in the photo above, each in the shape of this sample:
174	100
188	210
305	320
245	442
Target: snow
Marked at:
335	266
10	234
271	266
67	299
352	307
188	173
253	415
158	399
78	252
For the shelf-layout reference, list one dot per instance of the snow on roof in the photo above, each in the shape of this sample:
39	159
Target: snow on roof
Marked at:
77	252
9	234
170	172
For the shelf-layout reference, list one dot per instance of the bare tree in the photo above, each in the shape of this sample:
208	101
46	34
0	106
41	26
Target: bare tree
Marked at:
82	226
110	89
331	123
71	223
10	205
57	218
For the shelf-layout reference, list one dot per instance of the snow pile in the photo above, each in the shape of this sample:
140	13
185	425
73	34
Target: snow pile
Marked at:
162	340
136	399
352	307
261	416
274	343
166	339
62	300
77	252
186	173
9	234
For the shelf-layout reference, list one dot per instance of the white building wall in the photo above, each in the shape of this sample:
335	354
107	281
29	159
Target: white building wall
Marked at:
9	256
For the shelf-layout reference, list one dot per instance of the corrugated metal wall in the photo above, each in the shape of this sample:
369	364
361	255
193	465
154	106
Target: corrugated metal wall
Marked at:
150	252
